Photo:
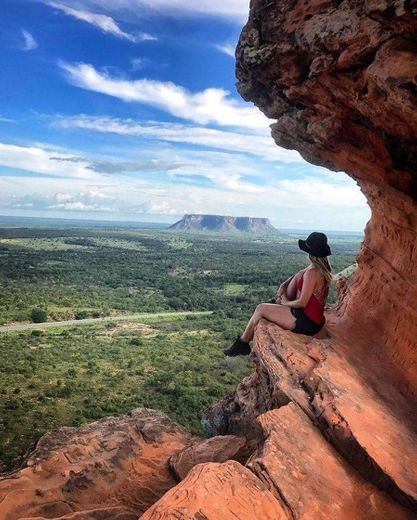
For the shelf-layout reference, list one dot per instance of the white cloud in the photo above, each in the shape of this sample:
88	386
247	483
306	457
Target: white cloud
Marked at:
51	161
39	160
236	10
322	195
161	202
81	201
72	188
6	119
226	48
76	201
29	42
260	145
212	105
103	22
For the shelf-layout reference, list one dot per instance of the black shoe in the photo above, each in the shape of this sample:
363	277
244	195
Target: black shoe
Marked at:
238	348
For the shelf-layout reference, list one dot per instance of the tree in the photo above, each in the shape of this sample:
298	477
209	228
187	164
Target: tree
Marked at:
38	315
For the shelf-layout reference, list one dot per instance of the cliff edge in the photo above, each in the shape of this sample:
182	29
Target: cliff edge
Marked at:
323	428
340	79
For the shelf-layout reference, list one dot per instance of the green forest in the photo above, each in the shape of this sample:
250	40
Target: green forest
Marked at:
73	374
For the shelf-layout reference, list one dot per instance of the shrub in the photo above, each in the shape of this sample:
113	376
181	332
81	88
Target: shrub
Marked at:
111	325
38	315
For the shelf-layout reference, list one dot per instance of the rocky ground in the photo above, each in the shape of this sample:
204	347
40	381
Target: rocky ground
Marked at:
323	428
310	434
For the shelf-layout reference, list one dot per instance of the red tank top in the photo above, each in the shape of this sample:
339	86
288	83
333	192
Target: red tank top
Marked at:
315	305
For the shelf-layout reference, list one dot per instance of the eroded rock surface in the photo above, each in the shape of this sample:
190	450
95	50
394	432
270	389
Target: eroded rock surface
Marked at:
216	449
340	79
226	491
369	422
331	423
113	468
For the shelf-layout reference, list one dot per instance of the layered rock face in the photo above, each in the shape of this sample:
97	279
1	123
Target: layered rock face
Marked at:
323	428
319	385
340	78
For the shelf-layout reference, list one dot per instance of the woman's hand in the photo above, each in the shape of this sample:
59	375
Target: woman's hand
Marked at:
284	299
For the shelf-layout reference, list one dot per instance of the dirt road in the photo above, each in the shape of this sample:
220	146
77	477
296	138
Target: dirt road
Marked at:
88	321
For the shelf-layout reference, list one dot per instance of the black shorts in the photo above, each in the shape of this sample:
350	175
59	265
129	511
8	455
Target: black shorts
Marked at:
303	324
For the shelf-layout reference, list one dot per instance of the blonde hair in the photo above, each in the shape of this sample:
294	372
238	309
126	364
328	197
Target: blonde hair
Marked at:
323	264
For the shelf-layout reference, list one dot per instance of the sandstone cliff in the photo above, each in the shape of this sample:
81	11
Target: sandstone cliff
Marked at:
323	428
340	78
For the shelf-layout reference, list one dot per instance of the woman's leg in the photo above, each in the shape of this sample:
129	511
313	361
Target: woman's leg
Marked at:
279	314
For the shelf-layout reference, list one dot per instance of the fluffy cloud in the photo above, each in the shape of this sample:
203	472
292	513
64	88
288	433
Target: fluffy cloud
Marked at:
29	42
212	105
82	201
190	181
260	145
103	22
303	204
78	201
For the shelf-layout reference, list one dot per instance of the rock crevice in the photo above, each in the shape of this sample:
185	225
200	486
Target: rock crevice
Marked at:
361	414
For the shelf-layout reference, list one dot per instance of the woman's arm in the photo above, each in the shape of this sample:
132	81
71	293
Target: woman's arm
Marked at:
282	289
289	287
291	291
309	282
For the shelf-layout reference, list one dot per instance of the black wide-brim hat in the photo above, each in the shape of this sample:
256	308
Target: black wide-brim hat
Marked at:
316	245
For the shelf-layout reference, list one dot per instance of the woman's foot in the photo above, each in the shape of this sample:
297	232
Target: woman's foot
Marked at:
238	348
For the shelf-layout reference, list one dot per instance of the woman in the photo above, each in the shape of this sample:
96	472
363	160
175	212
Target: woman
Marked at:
300	300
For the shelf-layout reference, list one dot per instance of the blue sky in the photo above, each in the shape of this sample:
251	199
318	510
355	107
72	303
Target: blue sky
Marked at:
127	110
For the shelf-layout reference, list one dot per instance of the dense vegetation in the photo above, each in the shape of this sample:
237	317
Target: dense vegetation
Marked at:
101	272
71	375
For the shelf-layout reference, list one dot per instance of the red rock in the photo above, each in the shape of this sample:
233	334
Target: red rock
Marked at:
216	449
116	467
213	491
310	477
340	79
358	410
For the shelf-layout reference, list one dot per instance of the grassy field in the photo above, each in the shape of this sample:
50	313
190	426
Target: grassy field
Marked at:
72	375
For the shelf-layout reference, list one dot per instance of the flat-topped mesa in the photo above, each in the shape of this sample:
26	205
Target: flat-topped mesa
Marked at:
341	81
224	224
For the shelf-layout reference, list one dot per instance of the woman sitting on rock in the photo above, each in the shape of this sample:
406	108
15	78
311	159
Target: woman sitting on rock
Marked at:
300	300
